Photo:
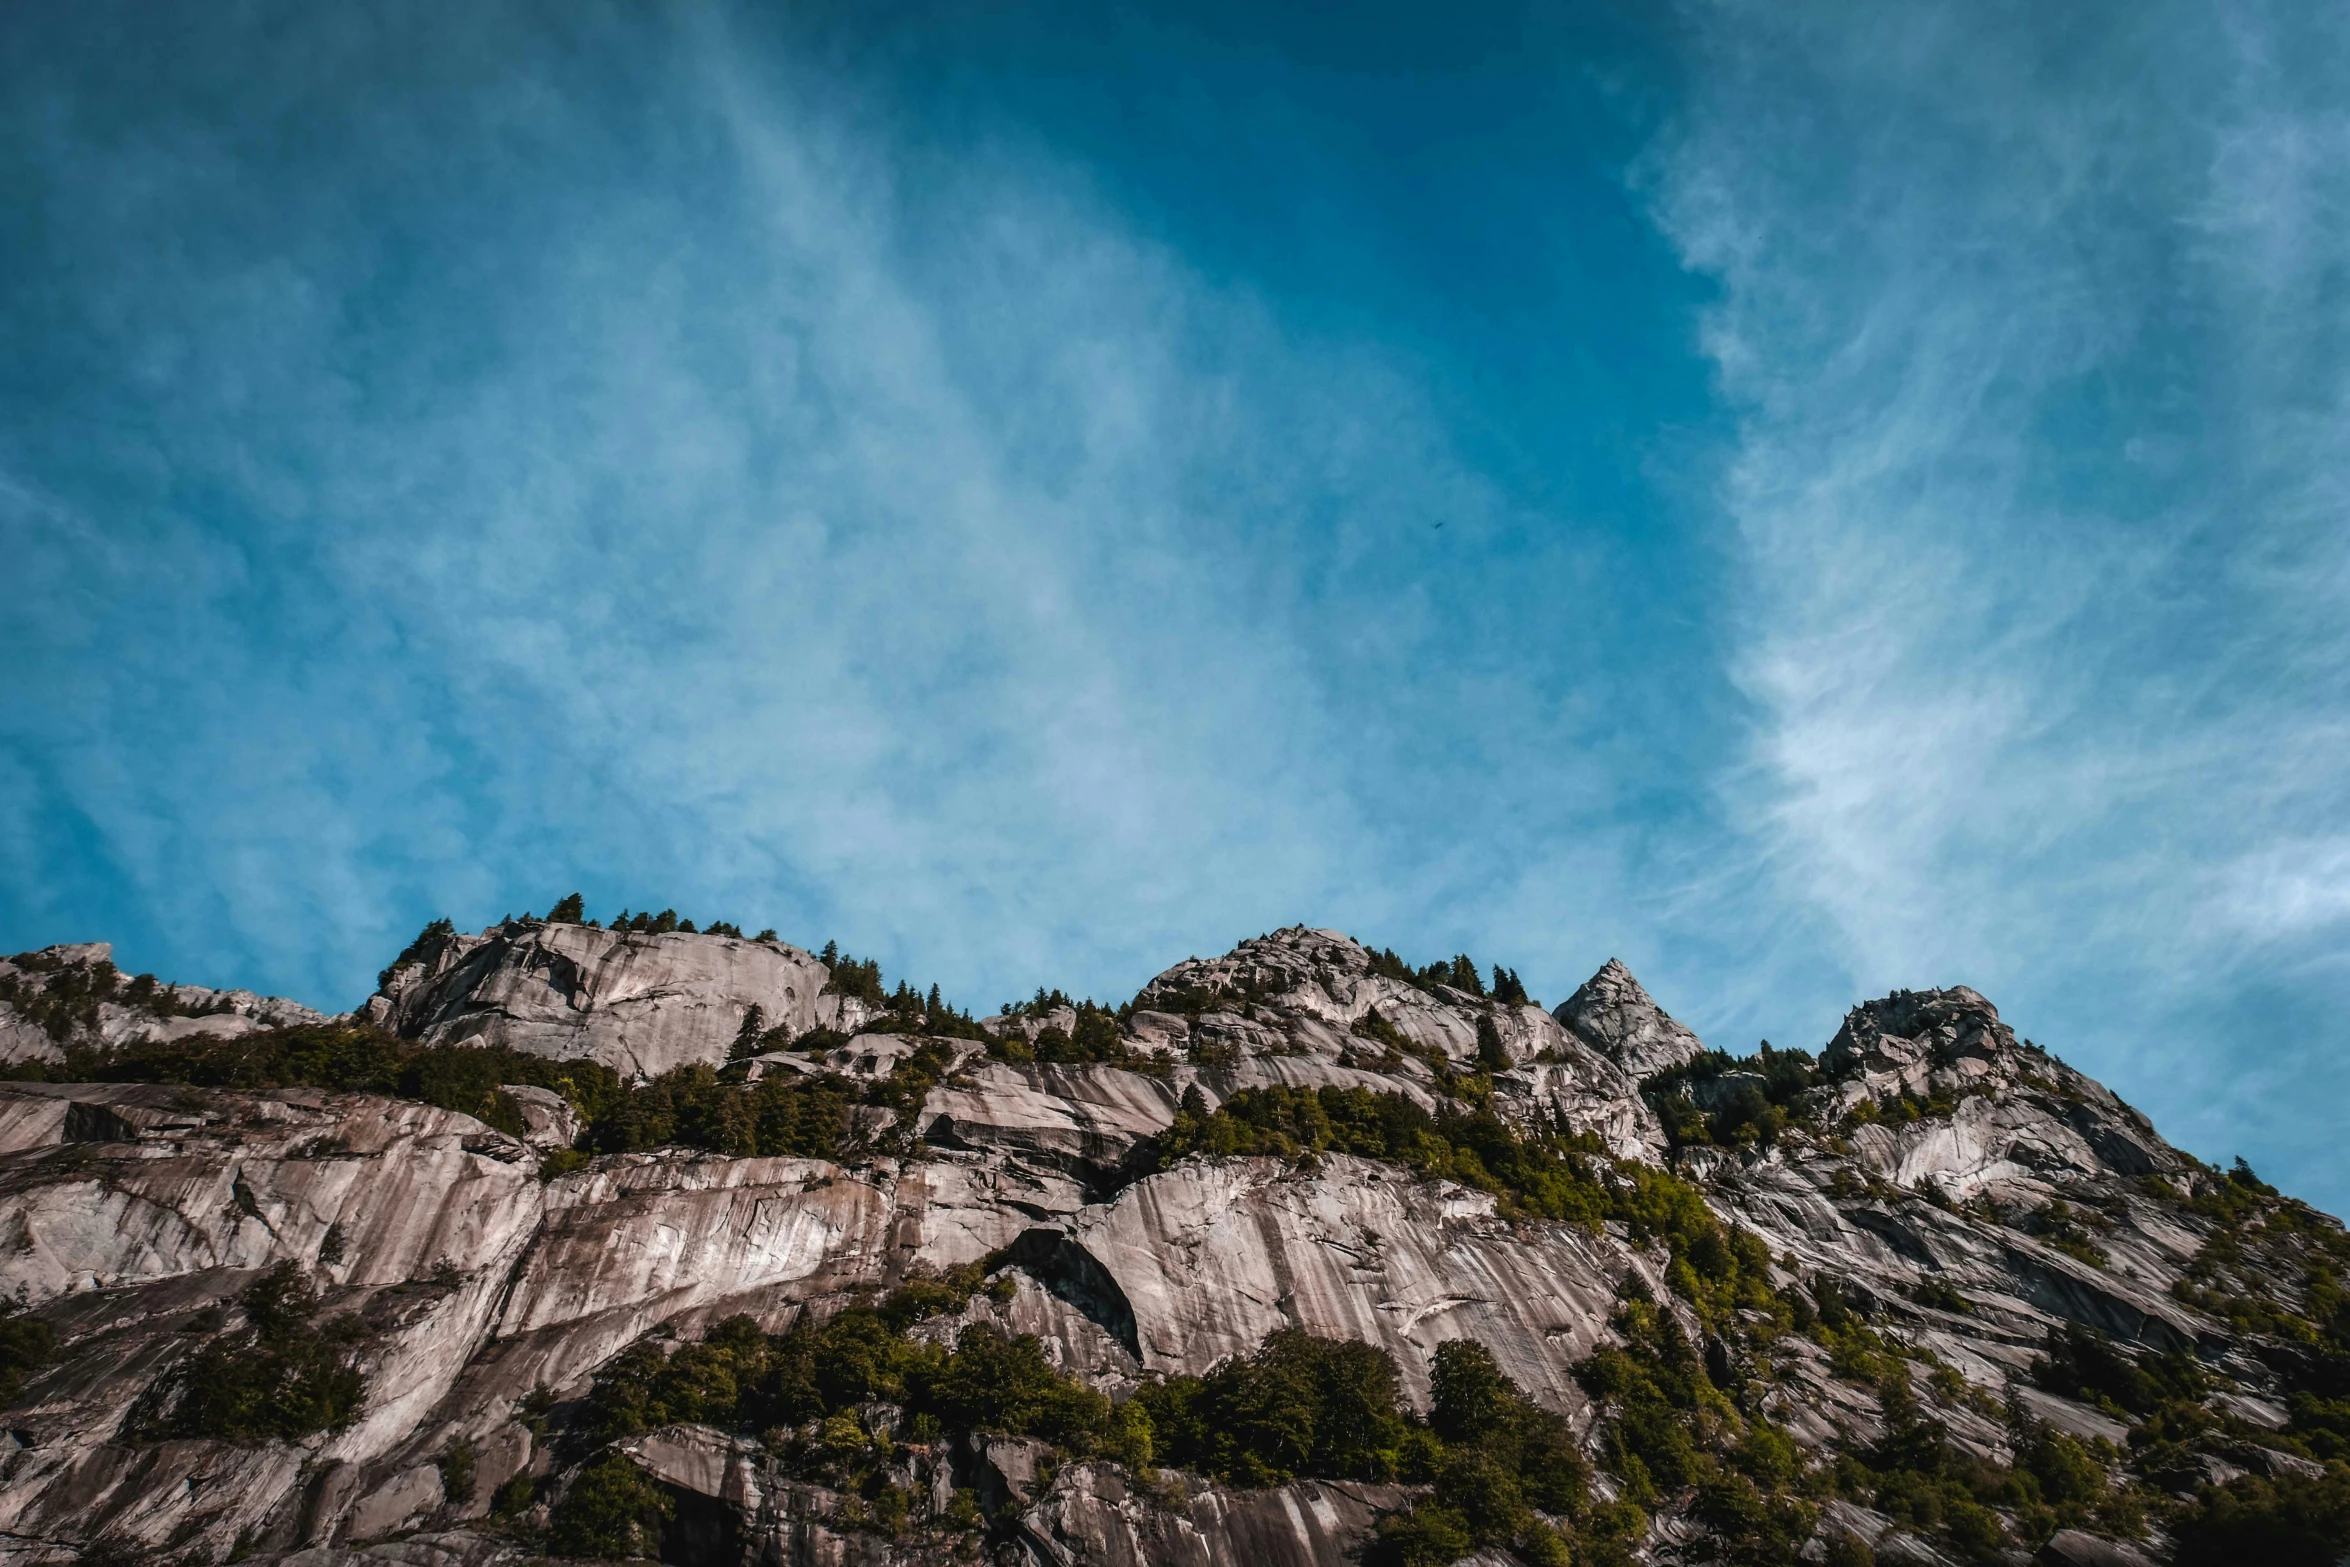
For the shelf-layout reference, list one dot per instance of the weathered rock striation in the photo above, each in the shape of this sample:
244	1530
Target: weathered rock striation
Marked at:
1613	1015
634	1001
1965	1195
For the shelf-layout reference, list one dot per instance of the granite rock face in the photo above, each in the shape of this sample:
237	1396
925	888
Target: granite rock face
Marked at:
1353	1250
72	995
1614	1016
639	1003
136	1214
1922	1176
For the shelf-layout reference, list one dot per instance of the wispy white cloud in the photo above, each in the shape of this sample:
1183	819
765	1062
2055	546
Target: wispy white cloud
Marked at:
2286	890
923	559
2041	511
635	464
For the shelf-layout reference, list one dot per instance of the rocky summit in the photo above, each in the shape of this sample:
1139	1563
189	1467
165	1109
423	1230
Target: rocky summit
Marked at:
598	1243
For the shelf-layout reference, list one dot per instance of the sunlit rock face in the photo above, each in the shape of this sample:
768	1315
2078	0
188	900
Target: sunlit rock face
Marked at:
482	1281
1352	1250
136	1214
72	995
1614	1016
640	1004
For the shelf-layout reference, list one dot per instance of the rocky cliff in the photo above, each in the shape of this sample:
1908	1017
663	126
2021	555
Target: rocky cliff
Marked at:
871	1282
635	1001
69	996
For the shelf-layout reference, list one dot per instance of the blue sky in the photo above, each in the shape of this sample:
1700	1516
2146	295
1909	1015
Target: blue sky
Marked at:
1808	499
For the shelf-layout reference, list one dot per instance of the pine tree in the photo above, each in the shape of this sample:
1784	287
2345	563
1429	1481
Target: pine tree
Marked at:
571	911
746	1038
1491	1056
1463	975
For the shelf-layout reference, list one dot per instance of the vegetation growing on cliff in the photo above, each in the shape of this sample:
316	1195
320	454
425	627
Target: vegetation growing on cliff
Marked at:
1299	1406
612	1509
1094	1036
803	1114
1505	1472
838	1401
279	1378
61	998
1679	1423
2301	1327
791	1384
347	1059
1459	973
27	1345
691	1106
1553	1177
1557	1176
1753	1113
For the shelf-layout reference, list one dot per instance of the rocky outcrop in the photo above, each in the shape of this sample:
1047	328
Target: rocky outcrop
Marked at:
1086	1512
1965	1192
1085	1119
1092	1513
72	995
1916	1040
2019	1121
1949	1199
639	1003
1583	1092
1614	1016
1352	1250
1301	989
115	1186
136	1214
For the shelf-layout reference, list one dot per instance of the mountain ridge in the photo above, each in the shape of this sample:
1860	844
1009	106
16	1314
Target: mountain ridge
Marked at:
542	1149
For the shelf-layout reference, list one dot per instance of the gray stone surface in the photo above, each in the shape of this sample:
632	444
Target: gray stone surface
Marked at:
169	1012
638	1003
1614	1016
131	1216
2077	1548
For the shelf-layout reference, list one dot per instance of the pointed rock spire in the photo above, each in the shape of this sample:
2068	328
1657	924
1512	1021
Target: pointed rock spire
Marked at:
1614	1016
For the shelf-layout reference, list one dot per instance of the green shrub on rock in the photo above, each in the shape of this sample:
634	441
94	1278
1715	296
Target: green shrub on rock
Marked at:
2288	1521
1300	1405
27	1344
280	1379
1501	1461
612	1509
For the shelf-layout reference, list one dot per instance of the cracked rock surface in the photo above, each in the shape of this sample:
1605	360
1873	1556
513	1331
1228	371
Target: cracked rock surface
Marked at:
488	1277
